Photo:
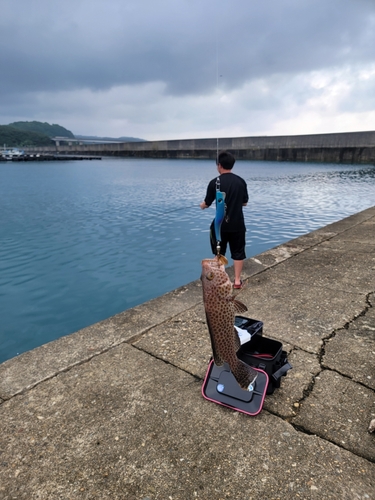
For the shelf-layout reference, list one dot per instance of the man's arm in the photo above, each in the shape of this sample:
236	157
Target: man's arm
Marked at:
210	195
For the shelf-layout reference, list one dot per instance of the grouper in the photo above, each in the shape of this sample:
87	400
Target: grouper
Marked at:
221	306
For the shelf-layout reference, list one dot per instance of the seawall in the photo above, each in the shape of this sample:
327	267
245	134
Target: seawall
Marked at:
349	147
115	410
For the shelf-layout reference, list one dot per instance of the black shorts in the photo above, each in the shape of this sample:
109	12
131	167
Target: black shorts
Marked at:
236	241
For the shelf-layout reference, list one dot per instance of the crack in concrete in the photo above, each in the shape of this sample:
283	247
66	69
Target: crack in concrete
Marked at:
333	334
307	392
345	326
141	349
297	427
303	430
79	363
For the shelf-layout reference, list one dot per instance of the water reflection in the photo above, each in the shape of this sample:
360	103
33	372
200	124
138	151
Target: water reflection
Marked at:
81	242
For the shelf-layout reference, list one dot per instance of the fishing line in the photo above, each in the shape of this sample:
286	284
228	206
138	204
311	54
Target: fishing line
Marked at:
220	196
166	212
174	210
151	217
217	84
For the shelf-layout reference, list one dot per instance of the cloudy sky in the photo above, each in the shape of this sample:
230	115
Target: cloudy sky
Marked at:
170	69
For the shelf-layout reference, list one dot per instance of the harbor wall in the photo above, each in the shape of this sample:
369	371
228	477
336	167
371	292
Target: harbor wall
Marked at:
349	147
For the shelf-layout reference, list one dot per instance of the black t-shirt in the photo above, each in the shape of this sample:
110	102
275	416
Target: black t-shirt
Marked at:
236	195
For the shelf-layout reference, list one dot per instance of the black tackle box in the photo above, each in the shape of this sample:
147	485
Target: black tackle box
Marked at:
263	353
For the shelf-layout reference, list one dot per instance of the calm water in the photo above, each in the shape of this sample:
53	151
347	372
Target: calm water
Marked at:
81	241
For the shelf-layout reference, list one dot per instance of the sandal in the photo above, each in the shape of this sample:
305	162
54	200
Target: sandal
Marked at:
238	287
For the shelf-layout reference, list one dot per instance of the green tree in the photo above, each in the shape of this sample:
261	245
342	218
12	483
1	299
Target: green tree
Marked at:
12	137
43	128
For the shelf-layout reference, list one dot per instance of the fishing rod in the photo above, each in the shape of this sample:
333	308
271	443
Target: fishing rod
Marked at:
220	195
220	214
217	84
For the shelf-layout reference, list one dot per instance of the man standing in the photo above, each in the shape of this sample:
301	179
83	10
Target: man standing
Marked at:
233	226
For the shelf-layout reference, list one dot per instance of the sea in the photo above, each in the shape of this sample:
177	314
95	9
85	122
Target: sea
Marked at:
84	240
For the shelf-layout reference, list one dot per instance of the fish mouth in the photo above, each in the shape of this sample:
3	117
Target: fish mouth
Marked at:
218	262
210	263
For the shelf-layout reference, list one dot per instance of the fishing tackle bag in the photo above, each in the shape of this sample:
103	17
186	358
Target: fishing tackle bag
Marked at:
261	352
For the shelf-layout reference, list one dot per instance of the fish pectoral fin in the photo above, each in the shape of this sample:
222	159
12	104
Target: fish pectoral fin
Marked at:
239	306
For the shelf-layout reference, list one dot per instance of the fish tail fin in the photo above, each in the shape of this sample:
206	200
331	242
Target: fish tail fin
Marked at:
245	375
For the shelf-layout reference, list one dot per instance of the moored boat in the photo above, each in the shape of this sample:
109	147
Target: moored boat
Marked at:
9	154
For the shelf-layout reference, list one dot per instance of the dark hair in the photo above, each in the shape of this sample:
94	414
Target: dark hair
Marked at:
226	160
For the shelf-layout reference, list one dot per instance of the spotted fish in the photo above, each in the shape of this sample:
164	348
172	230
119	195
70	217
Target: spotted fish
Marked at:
221	306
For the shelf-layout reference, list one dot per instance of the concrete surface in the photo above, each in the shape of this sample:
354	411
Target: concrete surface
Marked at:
115	410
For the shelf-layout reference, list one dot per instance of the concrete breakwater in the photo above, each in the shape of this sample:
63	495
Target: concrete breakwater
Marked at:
115	410
47	157
349	148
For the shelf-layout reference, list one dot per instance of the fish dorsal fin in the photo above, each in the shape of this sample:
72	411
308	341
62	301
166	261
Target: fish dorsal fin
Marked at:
239	306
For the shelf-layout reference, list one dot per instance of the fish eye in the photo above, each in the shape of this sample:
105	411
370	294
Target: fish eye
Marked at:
210	276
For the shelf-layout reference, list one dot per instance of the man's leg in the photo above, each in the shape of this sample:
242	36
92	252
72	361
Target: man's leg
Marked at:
237	265
237	246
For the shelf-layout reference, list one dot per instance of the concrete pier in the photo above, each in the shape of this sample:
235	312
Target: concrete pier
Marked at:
348	147
115	410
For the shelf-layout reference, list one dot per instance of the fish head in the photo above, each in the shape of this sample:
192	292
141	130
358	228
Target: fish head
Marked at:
214	277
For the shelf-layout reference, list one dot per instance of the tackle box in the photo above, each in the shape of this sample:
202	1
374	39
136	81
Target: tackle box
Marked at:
265	355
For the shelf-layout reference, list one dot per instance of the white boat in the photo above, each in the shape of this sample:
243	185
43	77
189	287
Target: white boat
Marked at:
9	154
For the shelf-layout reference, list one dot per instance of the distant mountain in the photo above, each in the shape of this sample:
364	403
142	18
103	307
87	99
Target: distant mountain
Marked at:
43	128
19	134
12	137
118	139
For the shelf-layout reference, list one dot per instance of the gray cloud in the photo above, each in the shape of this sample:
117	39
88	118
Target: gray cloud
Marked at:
92	45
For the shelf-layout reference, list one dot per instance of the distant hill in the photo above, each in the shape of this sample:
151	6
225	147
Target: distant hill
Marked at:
20	134
118	139
43	128
13	137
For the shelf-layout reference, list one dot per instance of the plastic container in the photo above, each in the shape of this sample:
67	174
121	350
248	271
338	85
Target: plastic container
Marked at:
267	355
222	388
